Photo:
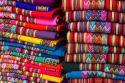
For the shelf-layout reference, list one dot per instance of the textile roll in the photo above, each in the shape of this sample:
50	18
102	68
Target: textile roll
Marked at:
109	68
54	21
91	74
95	15
42	27
96	38
31	39
93	48
95	58
97	27
111	5
95	80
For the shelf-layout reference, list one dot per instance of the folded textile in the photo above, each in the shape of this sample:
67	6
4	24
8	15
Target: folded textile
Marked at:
96	38
95	58
95	80
31	39
92	48
112	5
60	52
95	15
26	6
98	27
91	74
29	32
60	27
14	42
70	5
53	21
108	68
44	2
34	58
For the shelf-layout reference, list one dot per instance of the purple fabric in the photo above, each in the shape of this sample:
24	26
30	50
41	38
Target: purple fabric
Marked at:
47	35
44	2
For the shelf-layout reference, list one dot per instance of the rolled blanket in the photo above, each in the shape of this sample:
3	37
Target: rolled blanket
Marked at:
93	48
95	58
108	68
97	27
96	38
91	74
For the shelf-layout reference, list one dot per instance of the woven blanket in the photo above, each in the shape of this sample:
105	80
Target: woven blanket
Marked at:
53	21
60	52
95	15
95	80
95	26
29	32
35	14
108	68
111	5
73	48
60	27
95	58
14	42
26	6
31	39
93	74
96	38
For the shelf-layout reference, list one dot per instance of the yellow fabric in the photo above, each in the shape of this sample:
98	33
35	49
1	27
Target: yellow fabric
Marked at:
31	39
53	78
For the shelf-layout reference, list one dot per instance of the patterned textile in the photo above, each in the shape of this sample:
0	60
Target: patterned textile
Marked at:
96	38
31	39
109	68
96	15
112	5
29	32
98	27
90	74
95	80
26	6
95	58
93	48
34	26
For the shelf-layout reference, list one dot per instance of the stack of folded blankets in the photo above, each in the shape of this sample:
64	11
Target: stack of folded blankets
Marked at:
96	41
32	39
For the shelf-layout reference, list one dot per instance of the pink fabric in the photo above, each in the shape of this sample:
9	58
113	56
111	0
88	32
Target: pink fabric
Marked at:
47	21
53	73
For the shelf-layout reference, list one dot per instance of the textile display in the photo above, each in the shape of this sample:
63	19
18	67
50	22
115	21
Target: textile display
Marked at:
95	41
32	41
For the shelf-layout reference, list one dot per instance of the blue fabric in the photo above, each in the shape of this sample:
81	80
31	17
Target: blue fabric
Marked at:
78	74
60	52
29	6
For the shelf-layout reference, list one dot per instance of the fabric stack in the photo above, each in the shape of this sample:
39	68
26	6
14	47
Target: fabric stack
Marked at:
95	49
32	39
